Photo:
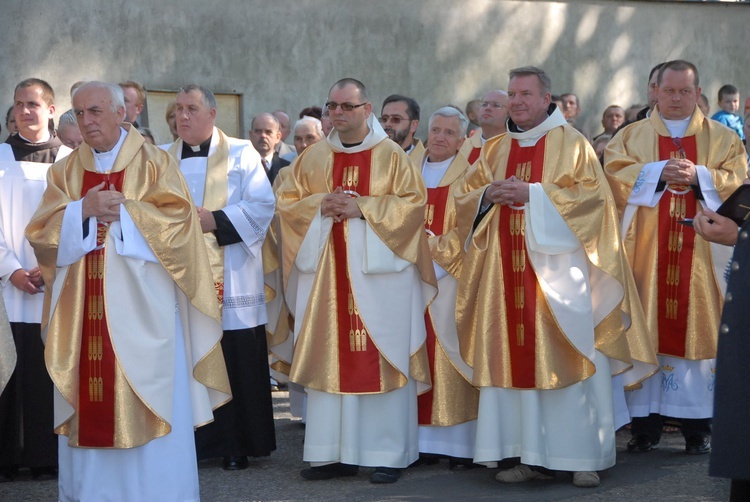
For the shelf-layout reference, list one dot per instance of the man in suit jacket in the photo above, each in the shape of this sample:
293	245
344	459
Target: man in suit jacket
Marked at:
265	134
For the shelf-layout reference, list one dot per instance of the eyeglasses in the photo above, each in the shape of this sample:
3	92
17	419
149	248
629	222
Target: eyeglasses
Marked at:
493	104
347	107
395	119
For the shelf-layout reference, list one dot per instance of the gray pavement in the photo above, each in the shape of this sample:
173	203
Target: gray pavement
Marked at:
663	475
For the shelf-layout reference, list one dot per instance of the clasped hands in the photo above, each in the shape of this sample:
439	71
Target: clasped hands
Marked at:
679	172
103	204
28	281
509	192
339	206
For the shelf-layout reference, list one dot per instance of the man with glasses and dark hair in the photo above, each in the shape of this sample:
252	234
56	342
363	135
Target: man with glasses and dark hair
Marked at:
399	117
493	112
358	276
664	169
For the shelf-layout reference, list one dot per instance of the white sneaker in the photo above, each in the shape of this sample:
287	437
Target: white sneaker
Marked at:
519	474
586	479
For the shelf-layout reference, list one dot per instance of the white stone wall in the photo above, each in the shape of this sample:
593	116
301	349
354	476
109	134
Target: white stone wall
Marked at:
286	53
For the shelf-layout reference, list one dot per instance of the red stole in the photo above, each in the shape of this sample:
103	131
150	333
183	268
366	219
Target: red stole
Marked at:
520	283
96	382
359	359
675	251
434	221
474	154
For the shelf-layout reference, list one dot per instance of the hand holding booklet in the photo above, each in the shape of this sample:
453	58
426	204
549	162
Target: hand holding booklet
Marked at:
736	207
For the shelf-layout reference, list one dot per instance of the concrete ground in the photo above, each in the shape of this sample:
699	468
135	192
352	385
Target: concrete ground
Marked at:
662	475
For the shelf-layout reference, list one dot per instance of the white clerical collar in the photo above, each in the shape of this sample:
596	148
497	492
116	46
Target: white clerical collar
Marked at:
44	139
676	128
105	160
530	137
195	149
375	136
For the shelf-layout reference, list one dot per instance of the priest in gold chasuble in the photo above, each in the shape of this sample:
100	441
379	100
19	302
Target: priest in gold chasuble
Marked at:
130	319
662	170
448	411
546	308
358	277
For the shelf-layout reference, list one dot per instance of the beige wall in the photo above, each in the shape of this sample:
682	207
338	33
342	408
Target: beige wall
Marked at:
286	53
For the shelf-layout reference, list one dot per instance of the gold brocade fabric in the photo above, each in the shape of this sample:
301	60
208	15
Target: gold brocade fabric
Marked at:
159	203
447	249
214	199
395	211
455	400
722	152
7	347
276	332
574	182
472	142
415	155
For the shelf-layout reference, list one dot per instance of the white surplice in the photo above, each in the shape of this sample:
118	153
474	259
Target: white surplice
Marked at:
250	207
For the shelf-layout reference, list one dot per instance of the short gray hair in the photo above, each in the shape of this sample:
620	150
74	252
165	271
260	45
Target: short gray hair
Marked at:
524	71
448	112
116	96
208	98
309	120
67	118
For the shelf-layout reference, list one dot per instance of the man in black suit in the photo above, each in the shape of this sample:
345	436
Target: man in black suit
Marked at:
265	134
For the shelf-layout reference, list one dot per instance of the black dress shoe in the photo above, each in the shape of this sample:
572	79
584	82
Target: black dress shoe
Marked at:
460	464
329	471
385	475
236	463
642	443
43	473
698	445
426	459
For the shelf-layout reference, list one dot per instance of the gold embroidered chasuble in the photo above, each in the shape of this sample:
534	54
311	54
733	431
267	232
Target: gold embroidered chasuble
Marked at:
573	181
452	399
7	348
416	153
394	210
471	147
722	153
160	206
280	321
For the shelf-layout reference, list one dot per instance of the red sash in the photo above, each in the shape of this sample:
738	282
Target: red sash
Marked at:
474	154
434	221
359	359
520	283
96	383
675	252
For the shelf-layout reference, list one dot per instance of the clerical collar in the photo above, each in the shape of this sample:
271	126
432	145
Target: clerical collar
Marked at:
47	137
408	150
105	161
554	119
195	151
350	145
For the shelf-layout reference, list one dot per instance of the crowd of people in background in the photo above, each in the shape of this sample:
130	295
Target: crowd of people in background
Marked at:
460	296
